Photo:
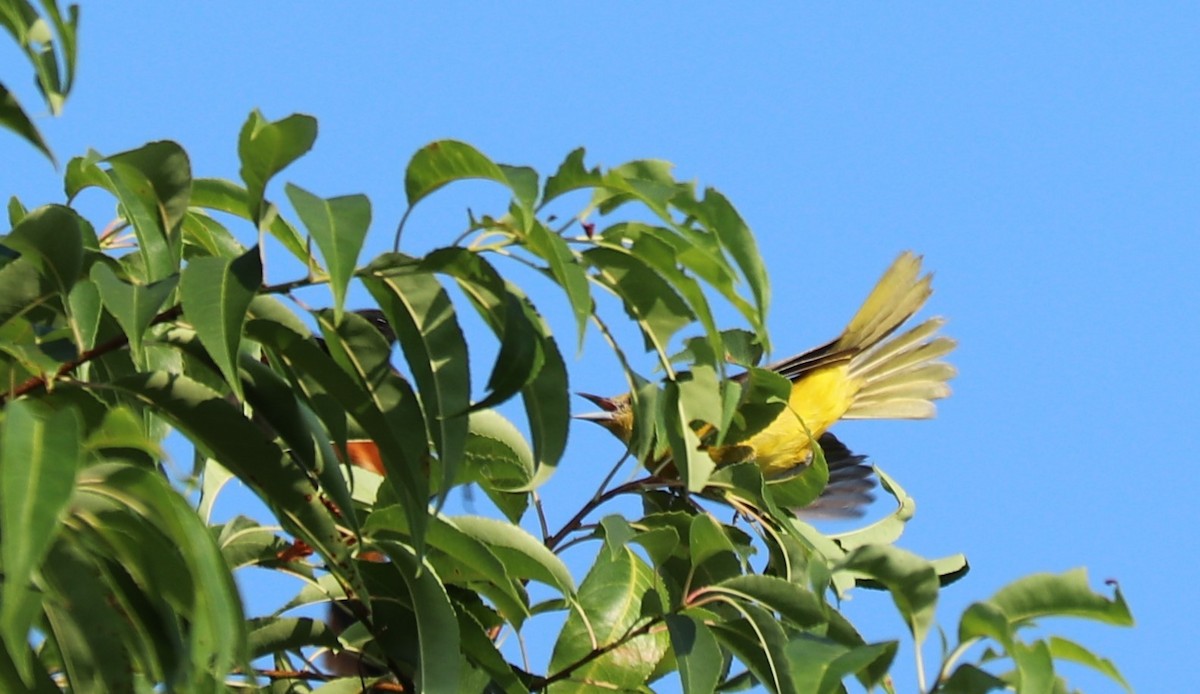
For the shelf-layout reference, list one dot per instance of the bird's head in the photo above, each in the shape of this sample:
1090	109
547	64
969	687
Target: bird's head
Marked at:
616	414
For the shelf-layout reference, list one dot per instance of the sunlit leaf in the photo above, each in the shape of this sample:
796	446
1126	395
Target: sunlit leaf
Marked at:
446	161
216	294
39	455
614	599
133	305
339	226
154	185
265	148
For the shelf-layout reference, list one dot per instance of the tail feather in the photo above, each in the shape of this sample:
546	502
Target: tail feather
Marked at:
896	297
900	377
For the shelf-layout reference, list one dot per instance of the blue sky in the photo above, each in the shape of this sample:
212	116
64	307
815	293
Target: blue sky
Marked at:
1043	157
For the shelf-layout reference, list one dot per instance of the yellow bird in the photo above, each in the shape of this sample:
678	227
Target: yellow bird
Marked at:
865	373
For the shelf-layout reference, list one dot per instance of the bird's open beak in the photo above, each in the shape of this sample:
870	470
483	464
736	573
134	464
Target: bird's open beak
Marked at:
606	406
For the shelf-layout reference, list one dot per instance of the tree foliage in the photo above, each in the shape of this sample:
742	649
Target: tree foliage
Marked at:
161	322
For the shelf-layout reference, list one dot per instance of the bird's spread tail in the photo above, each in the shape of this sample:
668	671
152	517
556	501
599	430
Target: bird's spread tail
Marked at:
899	377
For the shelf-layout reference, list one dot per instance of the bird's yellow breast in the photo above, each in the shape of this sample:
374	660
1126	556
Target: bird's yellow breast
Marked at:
818	400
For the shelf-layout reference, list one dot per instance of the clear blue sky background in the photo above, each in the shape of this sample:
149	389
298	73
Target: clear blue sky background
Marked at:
1044	158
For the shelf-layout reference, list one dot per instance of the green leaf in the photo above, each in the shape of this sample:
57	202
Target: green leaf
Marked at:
697	653
420	312
382	420
171	556
888	529
720	217
216	295
697	466
479	648
224	196
498	458
791	600
910	579
446	161
437	625
464	560
566	269
820	665
219	430
571	175
154	185
518	549
269	635
1065	649
97	648
1041	595
616	597
339	226
266	148
39	456
759	641
54	236
274	400
968	679
134	306
648	298
13	117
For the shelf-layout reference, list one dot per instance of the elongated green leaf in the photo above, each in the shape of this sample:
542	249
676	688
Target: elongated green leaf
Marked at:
1065	649
275	402
480	649
84	172
612	599
154	185
648	298
171	554
697	653
339	226
243	542
54	236
760	642
698	253
446	161
465	559
888	529
91	633
437	625
911	580
13	117
219	430
39	455
216	294
1041	595
426	326
382	421
546	394
819	665
571	175
1035	668
133	305
217	194
720	217
275	634
791	600
84	312
518	549
265	148
566	268
500	461
694	464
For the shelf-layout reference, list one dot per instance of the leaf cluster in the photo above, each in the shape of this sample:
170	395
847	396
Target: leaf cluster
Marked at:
115	578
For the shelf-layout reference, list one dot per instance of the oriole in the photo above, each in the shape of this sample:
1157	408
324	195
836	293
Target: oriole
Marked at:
860	375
